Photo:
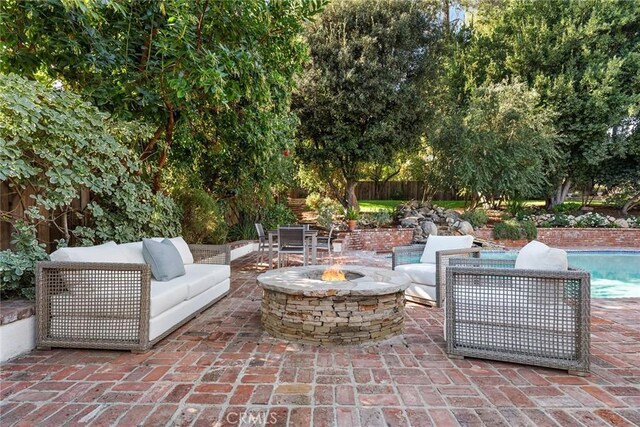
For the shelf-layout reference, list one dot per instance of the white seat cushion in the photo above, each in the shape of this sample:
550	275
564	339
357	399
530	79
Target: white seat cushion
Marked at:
443	243
198	279
205	276
422	273
538	256
165	295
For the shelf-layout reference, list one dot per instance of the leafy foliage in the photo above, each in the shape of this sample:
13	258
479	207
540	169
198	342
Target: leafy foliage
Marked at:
275	215
54	145
513	229
567	207
17	268
202	219
476	217
213	79
581	57
500	146
362	97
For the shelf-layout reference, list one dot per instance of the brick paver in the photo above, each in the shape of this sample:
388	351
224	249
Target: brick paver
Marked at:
223	369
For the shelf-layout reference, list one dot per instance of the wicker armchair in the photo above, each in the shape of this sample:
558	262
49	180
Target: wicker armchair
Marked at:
109	307
494	311
402	255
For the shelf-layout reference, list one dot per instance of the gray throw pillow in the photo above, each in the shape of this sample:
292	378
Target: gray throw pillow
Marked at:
164	259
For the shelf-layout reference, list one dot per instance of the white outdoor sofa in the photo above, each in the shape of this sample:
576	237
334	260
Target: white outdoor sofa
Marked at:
104	297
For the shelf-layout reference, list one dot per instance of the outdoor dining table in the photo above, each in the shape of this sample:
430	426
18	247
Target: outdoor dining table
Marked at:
310	237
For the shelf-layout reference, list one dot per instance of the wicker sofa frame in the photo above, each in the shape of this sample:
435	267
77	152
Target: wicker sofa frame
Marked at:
550	309
411	255
120	313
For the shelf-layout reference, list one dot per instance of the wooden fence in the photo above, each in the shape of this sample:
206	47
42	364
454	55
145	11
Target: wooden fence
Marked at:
13	204
390	190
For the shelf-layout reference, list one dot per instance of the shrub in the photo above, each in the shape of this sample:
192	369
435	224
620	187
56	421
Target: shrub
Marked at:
243	231
377	219
326	214
17	269
202	218
513	229
529	230
476	217
560	220
275	215
567	207
634	221
591	220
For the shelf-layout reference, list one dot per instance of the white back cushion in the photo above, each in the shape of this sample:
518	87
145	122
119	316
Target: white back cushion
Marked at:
106	252
133	251
443	243
538	256
181	246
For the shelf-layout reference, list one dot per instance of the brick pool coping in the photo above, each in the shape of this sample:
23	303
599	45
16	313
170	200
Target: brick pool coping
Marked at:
223	366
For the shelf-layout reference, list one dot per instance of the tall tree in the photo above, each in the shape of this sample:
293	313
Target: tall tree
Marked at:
364	94
212	77
500	146
582	57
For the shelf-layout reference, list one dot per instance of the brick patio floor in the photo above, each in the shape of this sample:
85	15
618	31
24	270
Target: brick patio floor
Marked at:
223	369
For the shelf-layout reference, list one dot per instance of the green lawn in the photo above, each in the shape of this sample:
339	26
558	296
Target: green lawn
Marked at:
376	205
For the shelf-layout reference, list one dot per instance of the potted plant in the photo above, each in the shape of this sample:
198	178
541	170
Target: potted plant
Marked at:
351	216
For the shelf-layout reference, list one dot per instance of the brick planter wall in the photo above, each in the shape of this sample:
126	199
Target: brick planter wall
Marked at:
575	237
384	239
377	239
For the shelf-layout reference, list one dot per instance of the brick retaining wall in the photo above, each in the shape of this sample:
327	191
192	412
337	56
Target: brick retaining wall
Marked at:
384	239
575	237
377	239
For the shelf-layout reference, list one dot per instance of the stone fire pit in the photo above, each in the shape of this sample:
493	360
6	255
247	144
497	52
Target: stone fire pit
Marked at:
298	305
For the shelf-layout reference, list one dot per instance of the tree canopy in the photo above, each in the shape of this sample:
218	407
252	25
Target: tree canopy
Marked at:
213	78
582	57
363	96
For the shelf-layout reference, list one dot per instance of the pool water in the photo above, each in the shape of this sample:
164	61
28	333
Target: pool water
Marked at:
614	274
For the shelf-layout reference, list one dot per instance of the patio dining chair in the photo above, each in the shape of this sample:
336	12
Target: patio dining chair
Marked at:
291	240
263	242
324	242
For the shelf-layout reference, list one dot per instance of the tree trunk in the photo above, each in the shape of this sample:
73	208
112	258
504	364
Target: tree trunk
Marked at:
157	179
350	194
562	191
630	203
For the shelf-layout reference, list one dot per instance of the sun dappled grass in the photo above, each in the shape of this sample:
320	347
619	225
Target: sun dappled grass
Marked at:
376	205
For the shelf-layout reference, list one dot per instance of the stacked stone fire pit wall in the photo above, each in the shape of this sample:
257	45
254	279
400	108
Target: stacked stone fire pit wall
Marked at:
333	320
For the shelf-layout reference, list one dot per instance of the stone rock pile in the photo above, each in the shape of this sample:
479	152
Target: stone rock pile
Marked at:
427	219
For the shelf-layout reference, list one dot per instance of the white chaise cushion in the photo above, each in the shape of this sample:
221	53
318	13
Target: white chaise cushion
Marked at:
422	273
425	292
106	252
198	279
443	243
538	256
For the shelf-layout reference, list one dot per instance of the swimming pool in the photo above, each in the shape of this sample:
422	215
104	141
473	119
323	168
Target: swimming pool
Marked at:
614	274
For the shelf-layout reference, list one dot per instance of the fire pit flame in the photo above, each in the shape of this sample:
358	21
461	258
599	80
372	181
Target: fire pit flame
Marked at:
333	274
